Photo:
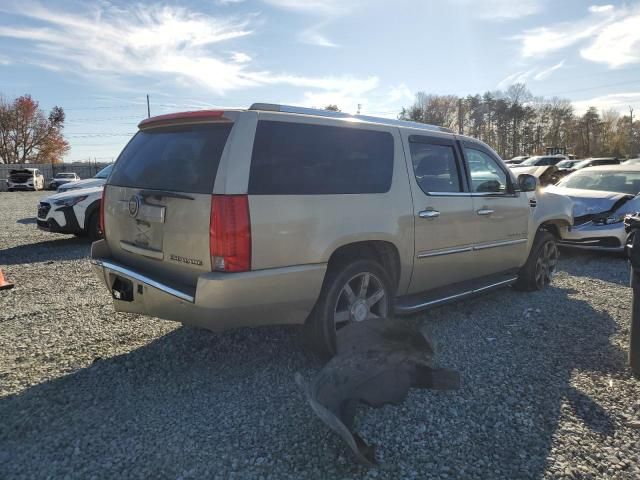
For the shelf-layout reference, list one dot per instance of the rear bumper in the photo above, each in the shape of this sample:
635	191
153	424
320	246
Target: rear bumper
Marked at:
219	301
610	238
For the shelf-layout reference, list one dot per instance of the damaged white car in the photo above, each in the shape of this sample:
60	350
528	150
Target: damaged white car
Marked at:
602	196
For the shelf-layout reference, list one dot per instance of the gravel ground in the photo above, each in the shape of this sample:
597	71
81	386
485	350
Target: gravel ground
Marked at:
89	393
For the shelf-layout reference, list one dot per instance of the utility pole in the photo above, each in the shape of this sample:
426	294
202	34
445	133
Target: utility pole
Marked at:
359	107
148	108
460	118
630	132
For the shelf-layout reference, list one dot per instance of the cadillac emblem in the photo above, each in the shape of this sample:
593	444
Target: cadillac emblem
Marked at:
134	206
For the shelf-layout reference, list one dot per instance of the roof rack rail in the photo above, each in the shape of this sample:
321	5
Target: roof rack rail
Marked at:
274	107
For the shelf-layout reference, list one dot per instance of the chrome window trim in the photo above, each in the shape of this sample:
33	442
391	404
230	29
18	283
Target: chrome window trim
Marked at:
448	194
144	279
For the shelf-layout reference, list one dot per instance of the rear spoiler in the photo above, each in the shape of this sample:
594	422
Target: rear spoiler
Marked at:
198	115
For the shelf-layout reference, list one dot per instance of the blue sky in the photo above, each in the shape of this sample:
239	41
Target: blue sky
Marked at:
99	59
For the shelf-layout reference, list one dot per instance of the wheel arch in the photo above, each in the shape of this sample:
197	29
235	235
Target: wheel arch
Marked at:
91	209
381	251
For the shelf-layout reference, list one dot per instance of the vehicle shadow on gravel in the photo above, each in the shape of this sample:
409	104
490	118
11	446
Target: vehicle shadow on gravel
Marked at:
27	221
65	248
195	404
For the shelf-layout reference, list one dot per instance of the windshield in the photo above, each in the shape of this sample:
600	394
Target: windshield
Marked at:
66	175
607	181
531	161
104	173
567	163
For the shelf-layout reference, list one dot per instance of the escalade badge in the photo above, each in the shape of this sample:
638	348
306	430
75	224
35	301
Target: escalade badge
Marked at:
190	261
134	206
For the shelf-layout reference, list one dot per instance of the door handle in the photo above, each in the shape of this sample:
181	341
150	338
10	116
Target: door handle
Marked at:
429	214
484	211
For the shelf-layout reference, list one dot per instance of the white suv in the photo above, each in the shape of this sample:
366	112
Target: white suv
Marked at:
76	212
25	179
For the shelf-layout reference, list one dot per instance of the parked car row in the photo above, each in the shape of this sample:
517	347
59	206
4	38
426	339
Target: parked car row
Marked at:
603	191
32	179
75	209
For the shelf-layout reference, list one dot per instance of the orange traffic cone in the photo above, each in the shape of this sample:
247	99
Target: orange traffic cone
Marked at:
4	285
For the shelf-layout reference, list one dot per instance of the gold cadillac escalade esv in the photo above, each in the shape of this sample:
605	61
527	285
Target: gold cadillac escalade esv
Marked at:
288	215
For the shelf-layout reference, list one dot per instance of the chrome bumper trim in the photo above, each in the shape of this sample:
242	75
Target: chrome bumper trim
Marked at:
144	279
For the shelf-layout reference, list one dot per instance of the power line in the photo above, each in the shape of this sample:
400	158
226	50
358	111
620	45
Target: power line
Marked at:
591	88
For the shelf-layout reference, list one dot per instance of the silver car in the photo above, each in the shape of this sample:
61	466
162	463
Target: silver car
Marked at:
287	215
602	197
98	180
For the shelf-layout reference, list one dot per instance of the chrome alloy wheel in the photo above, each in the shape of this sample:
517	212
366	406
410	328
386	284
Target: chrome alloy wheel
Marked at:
363	297
546	264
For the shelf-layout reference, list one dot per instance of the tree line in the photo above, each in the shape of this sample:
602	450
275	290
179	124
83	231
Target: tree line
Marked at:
28	135
515	122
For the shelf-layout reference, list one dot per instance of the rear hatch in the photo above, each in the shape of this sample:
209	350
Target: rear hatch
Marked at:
158	197
20	176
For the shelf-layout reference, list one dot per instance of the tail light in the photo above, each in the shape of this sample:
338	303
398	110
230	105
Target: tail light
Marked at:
102	202
230	233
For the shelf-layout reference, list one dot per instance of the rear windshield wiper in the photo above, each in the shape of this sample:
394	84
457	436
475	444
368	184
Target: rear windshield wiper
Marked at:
164	193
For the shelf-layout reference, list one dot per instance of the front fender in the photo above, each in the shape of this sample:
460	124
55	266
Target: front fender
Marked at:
551	208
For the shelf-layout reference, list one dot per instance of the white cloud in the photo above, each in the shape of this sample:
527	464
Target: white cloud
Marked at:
517	77
617	44
4	61
240	57
316	7
611	35
601	8
501	9
312	37
176	44
614	101
542	74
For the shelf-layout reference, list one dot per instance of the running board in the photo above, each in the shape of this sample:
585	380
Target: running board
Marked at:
422	301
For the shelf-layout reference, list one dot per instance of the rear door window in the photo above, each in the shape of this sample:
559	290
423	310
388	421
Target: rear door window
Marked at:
435	166
304	159
180	158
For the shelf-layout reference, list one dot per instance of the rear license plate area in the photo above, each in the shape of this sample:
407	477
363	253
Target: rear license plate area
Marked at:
122	289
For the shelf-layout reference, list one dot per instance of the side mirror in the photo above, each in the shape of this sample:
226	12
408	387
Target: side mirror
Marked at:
527	183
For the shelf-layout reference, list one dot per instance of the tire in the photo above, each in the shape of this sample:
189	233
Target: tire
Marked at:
537	272
93	227
334	301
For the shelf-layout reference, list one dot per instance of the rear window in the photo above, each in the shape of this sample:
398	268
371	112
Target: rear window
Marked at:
180	158
302	159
